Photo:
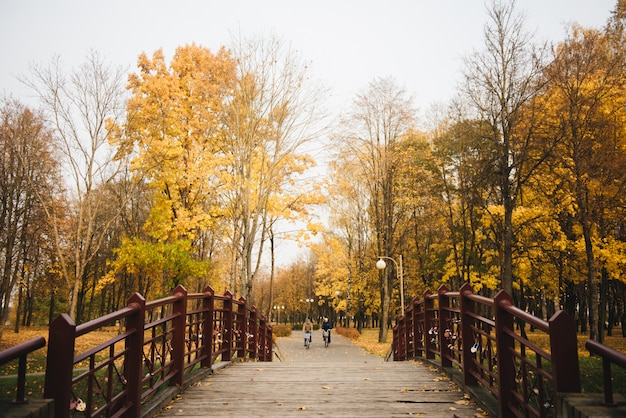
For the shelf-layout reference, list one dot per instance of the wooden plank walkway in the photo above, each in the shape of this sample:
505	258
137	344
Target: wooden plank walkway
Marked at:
339	381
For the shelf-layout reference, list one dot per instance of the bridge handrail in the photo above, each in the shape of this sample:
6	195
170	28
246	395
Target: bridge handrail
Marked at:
158	344
21	352
609	356
478	335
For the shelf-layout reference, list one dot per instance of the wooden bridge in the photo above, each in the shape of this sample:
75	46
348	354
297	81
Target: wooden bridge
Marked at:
339	381
175	347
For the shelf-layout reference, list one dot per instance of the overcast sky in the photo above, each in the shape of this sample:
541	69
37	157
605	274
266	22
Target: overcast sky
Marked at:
349	42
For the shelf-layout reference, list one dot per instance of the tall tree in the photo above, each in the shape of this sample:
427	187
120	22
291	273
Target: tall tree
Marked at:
172	134
586	102
273	115
78	105
499	82
381	119
29	170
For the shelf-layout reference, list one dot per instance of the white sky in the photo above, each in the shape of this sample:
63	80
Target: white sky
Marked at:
349	42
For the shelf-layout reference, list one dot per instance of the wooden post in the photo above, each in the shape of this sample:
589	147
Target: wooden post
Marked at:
467	337
179	323
401	337
429	307
262	335
408	338
60	364
395	343
133	360
242	327
418	327
208	325
505	344
444	315
227	332
564	353
253	329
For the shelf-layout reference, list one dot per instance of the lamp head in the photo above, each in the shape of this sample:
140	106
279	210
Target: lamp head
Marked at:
380	264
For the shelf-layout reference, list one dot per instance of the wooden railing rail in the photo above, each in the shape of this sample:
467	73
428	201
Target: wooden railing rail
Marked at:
21	352
155	345
609	356
484	339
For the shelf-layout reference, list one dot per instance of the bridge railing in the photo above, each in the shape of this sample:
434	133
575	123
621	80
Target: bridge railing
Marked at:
21	352
160	344
609	356
484	339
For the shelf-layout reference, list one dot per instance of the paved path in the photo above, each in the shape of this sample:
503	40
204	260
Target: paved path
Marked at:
342	380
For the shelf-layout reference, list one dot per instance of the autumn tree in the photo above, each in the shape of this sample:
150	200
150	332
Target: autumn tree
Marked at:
350	225
29	172
381	118
499	82
173	134
462	163
78	104
585	104
274	113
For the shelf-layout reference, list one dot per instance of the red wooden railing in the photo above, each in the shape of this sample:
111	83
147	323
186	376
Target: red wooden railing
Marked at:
482	338
21	352
609	356
161	344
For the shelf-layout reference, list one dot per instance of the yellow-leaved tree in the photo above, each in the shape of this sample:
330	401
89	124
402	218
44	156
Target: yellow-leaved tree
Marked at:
173	132
272	118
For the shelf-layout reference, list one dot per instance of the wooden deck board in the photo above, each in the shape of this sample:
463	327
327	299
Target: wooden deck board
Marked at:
337	381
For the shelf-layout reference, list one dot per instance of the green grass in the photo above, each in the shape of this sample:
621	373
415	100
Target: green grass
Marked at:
591	376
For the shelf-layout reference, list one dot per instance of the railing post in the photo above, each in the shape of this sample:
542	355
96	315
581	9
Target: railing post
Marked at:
444	305
227	337
242	327
505	344
394	342
269	342
208	325
179	309
410	334
253	329
402	337
262	336
564	353
429	306
60	364
467	338
265	340
418	333
133	360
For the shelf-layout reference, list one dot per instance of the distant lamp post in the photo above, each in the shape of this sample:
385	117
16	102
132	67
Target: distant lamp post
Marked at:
309	301
380	265
279	308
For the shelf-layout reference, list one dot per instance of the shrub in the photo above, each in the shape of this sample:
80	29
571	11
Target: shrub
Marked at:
281	330
351	333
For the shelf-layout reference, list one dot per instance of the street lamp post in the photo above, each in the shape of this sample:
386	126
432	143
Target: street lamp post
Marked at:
380	265
279	308
309	301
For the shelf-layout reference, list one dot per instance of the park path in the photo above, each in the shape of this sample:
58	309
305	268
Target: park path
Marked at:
342	380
